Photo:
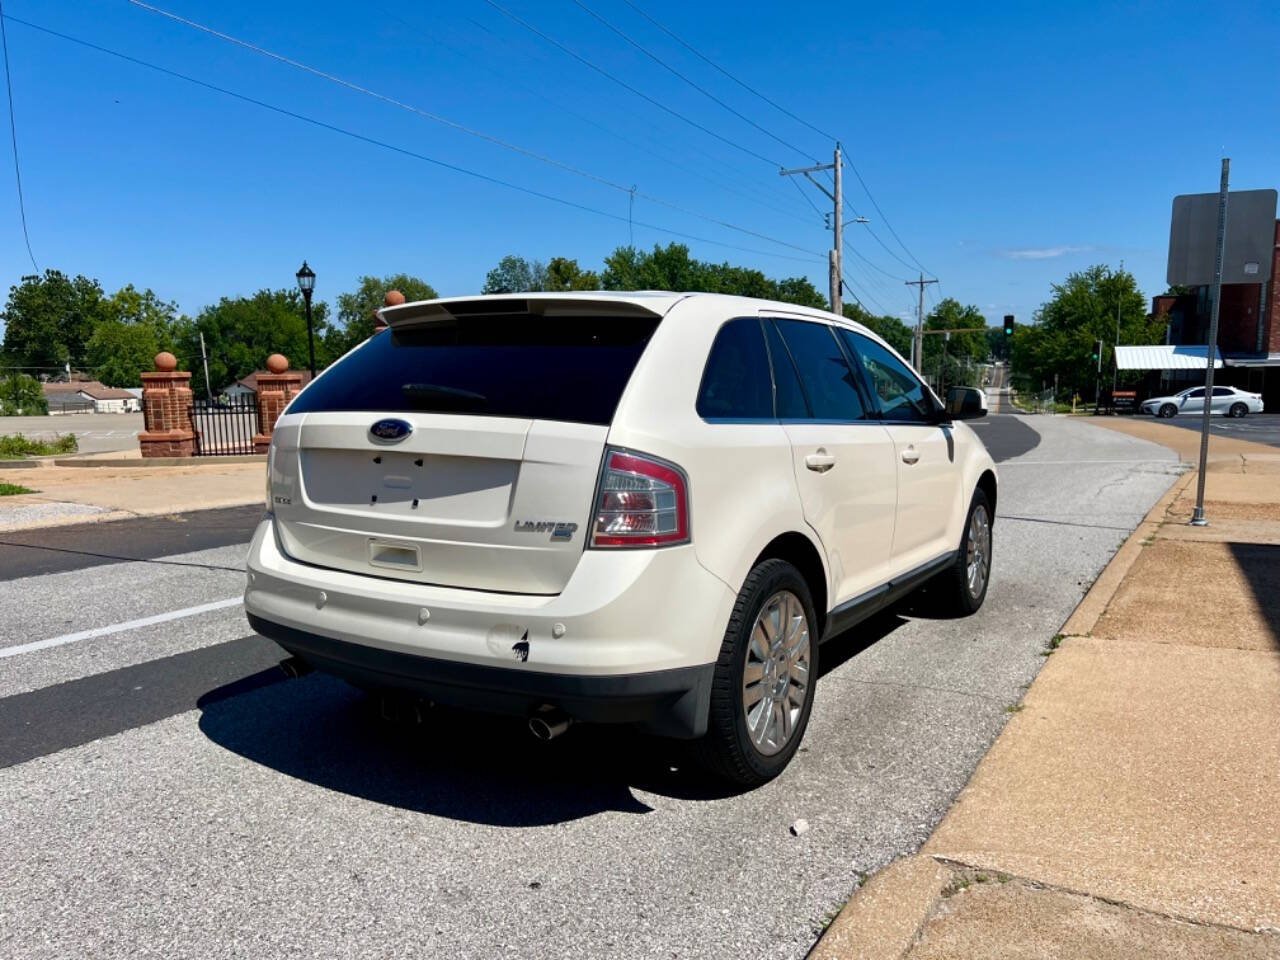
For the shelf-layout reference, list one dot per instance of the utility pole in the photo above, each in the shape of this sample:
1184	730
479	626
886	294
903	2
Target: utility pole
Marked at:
205	359
1115	354
917	341
836	256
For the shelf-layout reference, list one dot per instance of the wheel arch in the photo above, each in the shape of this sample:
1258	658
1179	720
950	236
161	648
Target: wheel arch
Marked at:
987	484
801	552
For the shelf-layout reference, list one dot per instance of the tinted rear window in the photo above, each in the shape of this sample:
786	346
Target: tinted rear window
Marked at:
735	384
544	368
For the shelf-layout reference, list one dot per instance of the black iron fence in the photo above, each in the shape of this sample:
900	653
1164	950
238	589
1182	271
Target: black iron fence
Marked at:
224	426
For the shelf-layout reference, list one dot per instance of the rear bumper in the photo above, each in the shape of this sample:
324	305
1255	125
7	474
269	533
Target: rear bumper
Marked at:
633	637
670	703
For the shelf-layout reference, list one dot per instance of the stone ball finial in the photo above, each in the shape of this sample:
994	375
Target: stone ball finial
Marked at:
393	298
166	362
277	363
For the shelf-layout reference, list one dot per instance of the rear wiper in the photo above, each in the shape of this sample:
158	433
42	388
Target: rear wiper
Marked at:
437	392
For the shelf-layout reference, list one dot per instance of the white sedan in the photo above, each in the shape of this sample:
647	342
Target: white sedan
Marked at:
1227	401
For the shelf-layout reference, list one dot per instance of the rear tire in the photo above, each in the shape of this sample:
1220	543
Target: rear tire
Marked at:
765	678
1238	410
964	584
1168	411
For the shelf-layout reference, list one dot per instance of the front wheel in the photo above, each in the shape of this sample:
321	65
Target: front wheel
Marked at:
1238	410
762	693
964	584
1168	411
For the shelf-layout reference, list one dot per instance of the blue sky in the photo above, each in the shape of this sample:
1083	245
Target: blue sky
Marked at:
1007	145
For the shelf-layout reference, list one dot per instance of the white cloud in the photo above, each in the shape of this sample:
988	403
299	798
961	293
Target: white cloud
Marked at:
1041	253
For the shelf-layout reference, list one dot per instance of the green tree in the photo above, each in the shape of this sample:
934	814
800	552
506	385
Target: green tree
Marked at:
892	330
562	274
49	319
671	268
515	275
135	327
958	359
241	332
21	395
1082	311
356	308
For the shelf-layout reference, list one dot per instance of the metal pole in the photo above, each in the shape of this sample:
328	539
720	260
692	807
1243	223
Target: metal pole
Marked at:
311	342
1197	517
837	259
204	358
1115	365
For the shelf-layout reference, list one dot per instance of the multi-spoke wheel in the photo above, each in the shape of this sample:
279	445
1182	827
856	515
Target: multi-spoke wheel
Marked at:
963	586
775	677
978	551
762	693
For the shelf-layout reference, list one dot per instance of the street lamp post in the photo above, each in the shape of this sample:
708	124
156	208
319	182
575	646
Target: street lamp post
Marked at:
307	283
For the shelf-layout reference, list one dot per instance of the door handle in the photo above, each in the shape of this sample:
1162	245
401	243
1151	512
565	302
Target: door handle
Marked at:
820	462
910	455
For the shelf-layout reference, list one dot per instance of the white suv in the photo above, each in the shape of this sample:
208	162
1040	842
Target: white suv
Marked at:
642	507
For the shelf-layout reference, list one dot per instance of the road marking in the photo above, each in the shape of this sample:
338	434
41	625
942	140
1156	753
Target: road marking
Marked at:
120	627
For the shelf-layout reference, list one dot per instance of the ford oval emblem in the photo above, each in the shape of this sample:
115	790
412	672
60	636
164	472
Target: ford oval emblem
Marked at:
390	431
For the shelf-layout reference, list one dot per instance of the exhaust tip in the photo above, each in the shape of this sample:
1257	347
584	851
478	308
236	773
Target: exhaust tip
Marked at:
549	722
295	667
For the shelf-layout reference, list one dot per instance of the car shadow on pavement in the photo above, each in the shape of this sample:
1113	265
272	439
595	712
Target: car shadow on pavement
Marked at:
1260	565
467	766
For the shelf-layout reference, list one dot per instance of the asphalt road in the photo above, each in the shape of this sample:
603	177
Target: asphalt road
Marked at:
1257	427
95	432
166	792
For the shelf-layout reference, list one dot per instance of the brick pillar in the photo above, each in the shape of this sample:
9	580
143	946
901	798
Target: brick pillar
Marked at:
276	388
166	411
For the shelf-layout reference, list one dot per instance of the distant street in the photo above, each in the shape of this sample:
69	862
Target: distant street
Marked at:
166	791
96	432
1257	427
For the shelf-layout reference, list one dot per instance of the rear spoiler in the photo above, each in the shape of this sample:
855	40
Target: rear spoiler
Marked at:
436	311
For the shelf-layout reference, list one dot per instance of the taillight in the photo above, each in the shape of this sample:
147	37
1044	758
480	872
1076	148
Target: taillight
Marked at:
641	501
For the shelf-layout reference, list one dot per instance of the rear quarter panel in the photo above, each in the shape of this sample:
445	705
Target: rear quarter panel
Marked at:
742	486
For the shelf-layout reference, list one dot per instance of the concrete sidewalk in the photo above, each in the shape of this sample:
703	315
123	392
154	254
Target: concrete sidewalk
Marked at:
1131	807
82	494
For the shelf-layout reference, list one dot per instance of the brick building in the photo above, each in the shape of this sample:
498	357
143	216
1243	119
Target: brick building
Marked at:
1248	332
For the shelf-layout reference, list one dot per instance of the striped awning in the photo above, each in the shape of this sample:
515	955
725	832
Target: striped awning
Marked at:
1165	357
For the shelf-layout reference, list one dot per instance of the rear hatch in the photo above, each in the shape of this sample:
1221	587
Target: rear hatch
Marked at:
460	447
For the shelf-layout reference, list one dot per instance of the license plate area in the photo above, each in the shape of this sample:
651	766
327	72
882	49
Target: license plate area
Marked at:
391	555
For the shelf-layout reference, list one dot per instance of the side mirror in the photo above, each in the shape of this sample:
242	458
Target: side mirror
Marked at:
966	403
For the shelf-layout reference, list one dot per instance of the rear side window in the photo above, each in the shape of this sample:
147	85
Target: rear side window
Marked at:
543	368
736	383
1223	392
824	371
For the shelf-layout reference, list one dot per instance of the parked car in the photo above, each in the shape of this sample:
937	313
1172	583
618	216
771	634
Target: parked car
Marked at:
647	508
1227	401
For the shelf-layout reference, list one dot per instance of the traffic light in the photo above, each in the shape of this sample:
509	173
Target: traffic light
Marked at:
1008	324
1097	353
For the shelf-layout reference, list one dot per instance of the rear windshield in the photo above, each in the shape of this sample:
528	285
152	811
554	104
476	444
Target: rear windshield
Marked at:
543	368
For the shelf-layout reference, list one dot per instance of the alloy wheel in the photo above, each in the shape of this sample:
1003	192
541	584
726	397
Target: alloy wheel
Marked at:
775	674
978	551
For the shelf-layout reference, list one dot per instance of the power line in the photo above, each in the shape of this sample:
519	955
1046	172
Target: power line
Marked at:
470	131
702	90
13	133
622	83
561	107
697	53
397	149
777	106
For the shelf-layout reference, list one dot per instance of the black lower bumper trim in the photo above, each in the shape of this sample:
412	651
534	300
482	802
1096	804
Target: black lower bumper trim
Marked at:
672	703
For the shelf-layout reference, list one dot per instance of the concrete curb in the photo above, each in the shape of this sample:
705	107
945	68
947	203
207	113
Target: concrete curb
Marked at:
1094	603
19	464
163	461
